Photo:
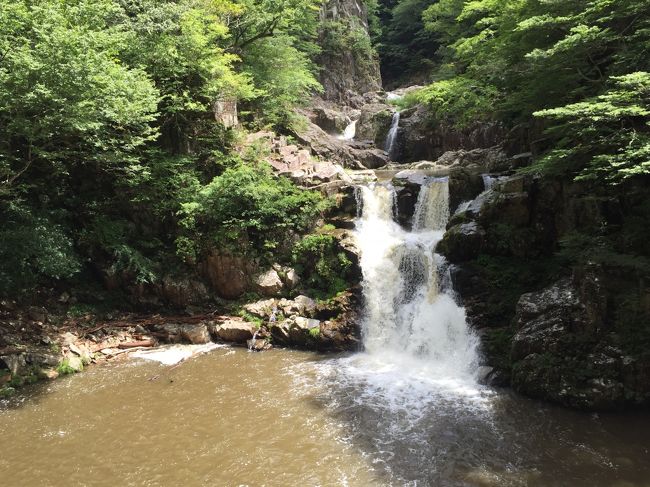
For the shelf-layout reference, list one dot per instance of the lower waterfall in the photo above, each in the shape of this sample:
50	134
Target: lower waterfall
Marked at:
410	310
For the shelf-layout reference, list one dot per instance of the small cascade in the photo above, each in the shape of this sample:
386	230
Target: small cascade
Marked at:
489	181
350	131
410	313
391	138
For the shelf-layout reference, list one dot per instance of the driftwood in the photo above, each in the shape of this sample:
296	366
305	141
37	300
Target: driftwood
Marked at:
150	321
139	344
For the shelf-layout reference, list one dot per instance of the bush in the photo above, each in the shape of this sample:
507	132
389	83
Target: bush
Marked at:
249	209
33	248
323	266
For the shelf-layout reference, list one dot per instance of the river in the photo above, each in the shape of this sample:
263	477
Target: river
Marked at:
407	411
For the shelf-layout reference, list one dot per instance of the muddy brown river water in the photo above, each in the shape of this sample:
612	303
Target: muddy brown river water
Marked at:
285	418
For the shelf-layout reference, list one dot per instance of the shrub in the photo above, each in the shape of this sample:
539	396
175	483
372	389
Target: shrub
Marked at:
320	262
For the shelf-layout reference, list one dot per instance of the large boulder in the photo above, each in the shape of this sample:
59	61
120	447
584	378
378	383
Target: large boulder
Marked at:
269	283
374	123
228	273
235	330
462	242
195	334
563	349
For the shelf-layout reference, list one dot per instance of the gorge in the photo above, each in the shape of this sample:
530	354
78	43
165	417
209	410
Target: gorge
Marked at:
338	242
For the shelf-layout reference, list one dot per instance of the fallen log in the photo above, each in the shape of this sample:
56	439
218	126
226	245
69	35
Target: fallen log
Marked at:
141	343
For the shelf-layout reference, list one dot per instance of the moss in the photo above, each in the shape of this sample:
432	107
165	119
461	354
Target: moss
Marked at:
64	368
257	321
7	391
314	333
325	267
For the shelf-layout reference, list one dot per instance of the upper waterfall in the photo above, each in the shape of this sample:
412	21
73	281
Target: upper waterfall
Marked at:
410	311
391	138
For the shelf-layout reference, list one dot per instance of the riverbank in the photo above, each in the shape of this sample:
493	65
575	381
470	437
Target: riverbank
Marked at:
36	344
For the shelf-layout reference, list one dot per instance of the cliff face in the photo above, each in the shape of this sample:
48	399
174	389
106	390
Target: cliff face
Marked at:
349	63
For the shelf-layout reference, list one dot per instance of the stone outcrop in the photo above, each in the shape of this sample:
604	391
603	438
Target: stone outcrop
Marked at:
228	273
420	138
551	337
561	350
346	72
374	123
330	148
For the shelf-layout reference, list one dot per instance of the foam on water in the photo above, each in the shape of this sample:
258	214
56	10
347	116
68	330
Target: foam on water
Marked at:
174	354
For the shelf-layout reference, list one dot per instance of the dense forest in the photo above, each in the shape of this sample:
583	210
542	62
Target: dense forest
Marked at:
110	152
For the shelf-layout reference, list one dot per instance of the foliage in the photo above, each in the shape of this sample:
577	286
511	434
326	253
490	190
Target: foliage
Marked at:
607	137
323	265
579	66
345	36
406	48
32	247
108	144
247	207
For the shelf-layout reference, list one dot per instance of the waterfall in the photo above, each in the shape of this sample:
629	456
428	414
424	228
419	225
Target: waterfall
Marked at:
391	138
489	181
410	311
350	131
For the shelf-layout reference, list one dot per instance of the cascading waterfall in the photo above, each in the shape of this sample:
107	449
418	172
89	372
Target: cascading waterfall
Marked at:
410	312
350	131
391	138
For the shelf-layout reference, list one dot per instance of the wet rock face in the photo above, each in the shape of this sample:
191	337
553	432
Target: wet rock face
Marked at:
347	73
562	350
421	138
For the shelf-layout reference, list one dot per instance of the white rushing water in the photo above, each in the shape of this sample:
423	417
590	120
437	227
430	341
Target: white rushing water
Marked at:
410	311
391	138
350	131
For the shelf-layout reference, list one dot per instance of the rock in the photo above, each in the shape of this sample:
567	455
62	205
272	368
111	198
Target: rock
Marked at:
344	74
419	139
329	119
68	339
374	123
228	273
269	283
195	334
82	351
48	374
371	158
562	353
16	363
304	305
462	242
280	332
235	330
410	177
262	309
36	313
75	363
259	345
183	292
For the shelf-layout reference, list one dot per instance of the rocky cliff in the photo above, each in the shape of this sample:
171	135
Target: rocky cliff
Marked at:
349	63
